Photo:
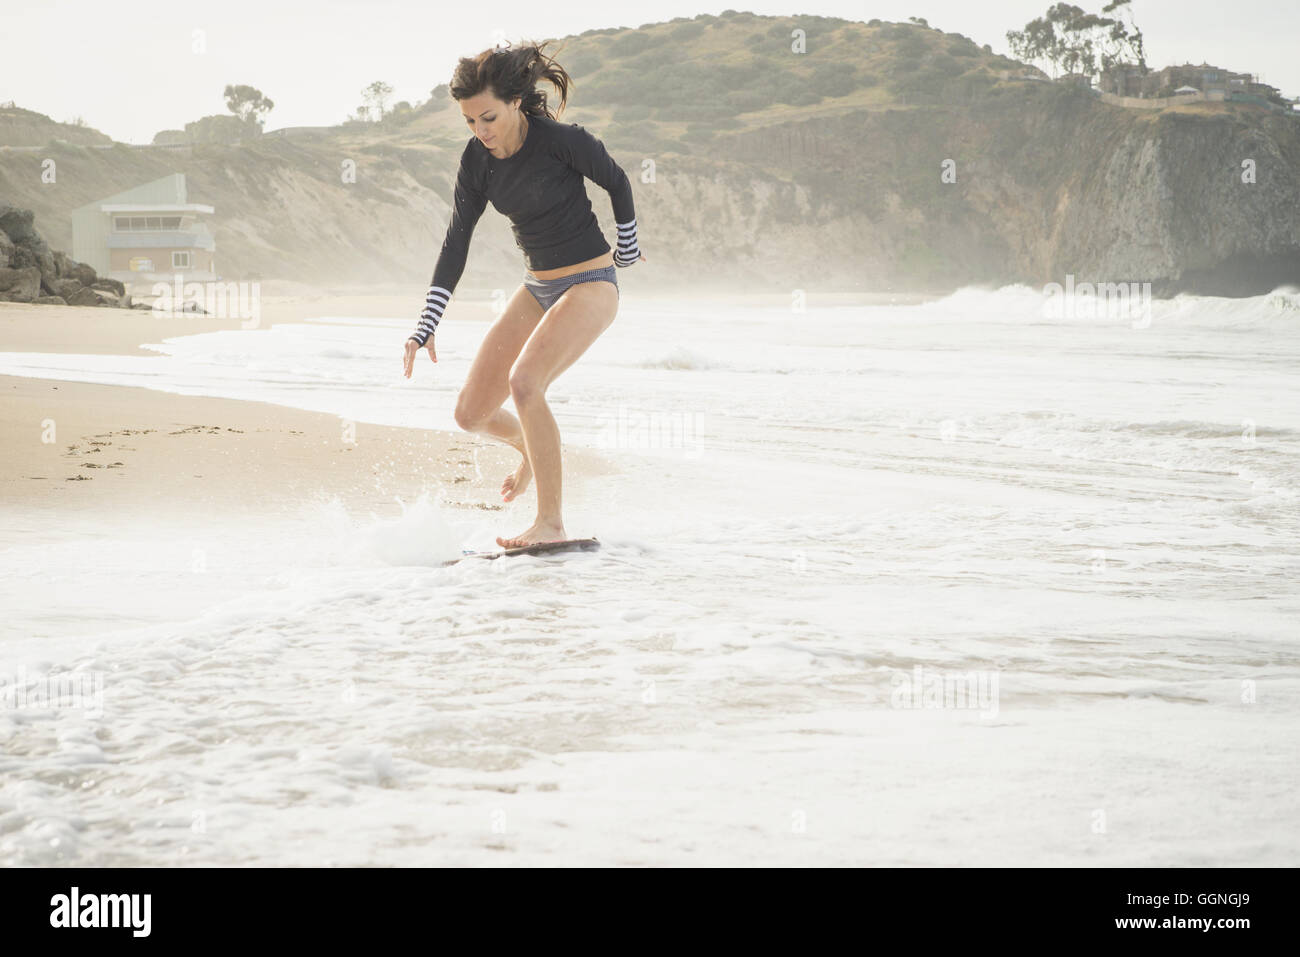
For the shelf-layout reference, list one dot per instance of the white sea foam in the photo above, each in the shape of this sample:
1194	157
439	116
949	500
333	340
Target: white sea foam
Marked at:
1102	517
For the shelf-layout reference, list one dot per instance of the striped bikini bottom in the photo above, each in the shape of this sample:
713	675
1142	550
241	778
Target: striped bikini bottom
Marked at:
546	291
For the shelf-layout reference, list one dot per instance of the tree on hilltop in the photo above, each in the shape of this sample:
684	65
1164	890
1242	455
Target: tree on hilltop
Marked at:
1069	38
247	103
377	94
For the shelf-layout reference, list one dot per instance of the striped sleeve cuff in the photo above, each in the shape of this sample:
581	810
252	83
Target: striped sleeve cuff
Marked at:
628	252
435	301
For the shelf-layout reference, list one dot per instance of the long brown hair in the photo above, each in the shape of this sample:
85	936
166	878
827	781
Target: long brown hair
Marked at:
512	72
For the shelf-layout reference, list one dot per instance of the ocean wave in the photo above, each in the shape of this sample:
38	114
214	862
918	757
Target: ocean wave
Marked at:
1021	303
679	358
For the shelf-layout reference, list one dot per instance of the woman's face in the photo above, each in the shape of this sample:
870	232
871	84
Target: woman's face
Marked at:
488	117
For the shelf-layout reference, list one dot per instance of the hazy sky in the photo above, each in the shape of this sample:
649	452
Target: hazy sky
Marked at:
130	70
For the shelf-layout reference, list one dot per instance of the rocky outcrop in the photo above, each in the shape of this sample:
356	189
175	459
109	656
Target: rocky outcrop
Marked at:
32	272
1047	182
20	285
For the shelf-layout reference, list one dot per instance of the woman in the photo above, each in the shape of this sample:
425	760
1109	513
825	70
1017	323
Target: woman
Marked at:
531	167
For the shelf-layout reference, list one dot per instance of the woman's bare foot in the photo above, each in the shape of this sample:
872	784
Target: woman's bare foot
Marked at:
515	484
540	532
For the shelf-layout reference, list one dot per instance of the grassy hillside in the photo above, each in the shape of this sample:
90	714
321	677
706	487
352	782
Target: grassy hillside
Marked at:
684	83
19	127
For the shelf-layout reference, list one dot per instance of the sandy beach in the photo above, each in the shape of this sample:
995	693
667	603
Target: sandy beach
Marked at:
75	445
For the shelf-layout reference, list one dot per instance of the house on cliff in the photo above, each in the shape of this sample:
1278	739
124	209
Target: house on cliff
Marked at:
146	234
1214	83
1129	85
1122	79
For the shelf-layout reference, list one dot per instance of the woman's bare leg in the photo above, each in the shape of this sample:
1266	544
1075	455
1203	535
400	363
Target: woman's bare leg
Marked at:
566	331
478	407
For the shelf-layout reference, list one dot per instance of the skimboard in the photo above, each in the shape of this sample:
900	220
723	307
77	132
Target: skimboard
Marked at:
538	548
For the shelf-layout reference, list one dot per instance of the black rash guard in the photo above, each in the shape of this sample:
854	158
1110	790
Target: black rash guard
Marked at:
540	189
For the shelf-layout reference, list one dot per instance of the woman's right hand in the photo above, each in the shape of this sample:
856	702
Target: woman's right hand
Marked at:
412	347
